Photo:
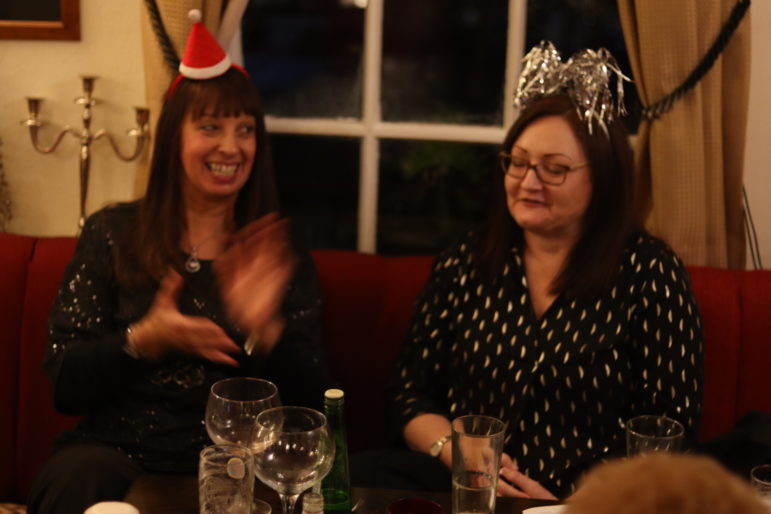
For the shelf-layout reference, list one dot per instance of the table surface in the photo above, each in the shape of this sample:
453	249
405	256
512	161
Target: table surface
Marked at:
169	494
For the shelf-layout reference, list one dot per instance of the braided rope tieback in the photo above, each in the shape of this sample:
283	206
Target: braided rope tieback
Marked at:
164	41
656	110
6	213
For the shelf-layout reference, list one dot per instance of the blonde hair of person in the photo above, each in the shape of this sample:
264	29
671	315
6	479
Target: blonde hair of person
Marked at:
662	483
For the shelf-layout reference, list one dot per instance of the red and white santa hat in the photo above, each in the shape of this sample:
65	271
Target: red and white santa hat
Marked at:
204	58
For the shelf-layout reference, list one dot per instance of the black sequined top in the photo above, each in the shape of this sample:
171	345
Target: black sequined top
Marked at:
564	383
154	411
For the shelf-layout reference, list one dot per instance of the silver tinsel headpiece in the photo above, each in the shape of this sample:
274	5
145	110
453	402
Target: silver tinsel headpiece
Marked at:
584	78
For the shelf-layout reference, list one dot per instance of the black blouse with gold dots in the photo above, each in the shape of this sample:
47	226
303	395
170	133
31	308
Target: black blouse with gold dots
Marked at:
564	383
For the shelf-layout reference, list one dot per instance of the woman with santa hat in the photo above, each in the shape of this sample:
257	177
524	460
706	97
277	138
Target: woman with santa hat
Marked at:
195	282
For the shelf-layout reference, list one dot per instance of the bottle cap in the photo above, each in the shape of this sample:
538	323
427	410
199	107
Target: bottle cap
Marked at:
334	394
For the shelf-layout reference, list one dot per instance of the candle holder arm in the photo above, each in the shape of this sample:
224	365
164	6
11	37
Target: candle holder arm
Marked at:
34	126
140	133
141	136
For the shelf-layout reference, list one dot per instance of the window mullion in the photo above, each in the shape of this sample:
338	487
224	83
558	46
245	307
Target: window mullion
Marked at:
315	126
515	49
439	132
368	173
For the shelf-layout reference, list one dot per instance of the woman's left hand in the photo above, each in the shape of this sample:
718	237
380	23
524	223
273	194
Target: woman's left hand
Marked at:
253	276
519	485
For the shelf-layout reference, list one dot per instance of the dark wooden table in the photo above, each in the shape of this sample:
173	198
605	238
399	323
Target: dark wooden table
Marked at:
161	494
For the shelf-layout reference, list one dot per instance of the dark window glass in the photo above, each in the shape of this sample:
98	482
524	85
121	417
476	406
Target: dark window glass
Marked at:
305	56
30	11
574	26
431	193
444	61
441	63
318	184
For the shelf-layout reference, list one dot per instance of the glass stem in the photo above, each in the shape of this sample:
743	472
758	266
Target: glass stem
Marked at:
288	501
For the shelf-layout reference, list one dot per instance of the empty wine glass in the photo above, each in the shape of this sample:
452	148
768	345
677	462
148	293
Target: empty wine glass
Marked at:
233	406
293	449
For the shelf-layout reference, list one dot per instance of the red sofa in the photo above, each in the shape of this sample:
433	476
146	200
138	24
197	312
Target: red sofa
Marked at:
367	306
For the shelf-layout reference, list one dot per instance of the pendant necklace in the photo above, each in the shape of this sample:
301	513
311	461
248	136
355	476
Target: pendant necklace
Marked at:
192	264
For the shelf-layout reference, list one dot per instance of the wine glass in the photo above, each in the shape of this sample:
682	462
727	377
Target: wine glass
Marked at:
233	406
293	449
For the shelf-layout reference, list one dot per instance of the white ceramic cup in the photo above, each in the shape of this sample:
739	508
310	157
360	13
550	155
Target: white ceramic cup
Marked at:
111	508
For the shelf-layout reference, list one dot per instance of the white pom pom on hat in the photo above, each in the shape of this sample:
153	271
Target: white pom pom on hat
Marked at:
204	58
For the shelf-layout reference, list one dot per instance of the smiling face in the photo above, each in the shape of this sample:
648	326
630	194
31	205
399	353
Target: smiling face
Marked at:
542	209
217	154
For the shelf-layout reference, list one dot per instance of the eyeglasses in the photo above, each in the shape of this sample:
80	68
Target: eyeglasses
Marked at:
548	171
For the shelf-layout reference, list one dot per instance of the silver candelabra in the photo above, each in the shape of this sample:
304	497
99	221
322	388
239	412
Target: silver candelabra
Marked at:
140	133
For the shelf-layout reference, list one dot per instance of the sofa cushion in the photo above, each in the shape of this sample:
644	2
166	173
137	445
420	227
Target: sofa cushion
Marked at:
755	359
14	258
36	432
717	295
367	302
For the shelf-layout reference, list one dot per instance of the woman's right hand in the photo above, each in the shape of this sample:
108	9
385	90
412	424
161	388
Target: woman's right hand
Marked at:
164	329
518	485
253	275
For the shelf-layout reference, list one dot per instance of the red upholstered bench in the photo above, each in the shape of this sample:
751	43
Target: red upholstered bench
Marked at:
33	422
367	304
736	310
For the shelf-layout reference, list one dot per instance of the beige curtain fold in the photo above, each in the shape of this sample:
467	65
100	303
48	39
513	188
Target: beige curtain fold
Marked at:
157	73
690	161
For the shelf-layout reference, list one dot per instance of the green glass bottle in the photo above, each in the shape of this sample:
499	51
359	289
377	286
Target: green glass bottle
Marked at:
336	486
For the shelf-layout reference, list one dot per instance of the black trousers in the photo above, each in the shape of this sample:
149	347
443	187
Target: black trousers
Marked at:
77	476
399	468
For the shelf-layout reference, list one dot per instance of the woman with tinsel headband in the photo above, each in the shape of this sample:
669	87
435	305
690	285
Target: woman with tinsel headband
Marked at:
193	283
561	315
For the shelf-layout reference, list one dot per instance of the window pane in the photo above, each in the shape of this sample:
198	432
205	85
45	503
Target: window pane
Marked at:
32	11
318	185
305	56
444	63
431	193
573	26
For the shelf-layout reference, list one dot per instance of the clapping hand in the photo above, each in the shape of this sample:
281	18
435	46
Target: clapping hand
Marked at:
164	329
517	484
253	275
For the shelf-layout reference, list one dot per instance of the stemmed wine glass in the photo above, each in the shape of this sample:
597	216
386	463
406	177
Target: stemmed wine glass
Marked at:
293	449
233	406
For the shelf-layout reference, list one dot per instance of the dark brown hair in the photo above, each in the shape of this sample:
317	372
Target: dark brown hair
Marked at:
610	217
152	244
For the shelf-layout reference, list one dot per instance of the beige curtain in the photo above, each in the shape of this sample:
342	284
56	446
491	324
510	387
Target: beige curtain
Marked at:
690	161
157	73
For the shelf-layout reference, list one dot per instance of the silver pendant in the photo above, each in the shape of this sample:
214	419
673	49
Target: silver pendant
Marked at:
192	264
